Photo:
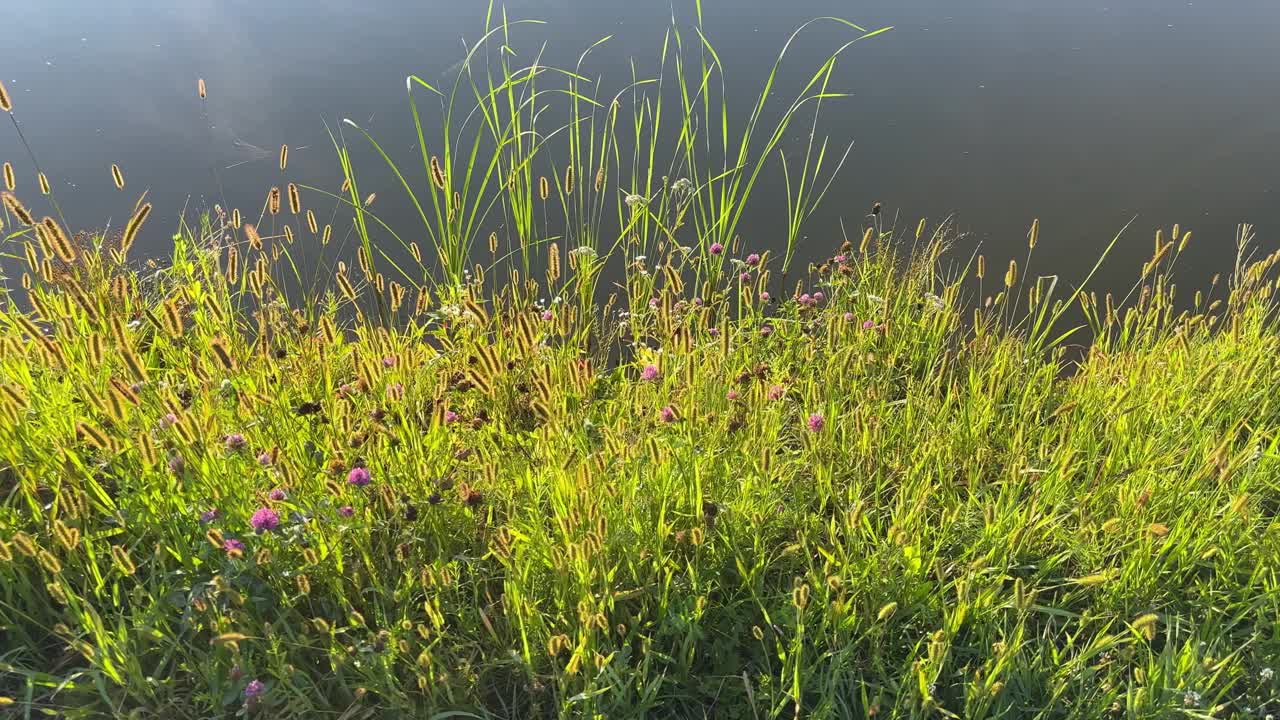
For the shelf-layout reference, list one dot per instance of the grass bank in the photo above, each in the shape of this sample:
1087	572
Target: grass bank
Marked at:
866	499
734	488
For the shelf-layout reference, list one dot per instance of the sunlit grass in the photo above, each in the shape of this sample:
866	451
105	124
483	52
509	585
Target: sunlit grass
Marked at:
456	487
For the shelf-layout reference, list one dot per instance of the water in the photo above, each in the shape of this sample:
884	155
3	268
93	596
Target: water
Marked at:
1084	114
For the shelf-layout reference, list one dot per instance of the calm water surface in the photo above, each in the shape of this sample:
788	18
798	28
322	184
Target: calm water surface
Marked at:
1084	114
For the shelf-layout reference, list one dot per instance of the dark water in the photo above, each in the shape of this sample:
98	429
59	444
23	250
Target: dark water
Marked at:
1084	114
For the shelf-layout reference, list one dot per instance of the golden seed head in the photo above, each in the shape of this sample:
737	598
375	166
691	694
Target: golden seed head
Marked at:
134	225
59	240
437	173
19	210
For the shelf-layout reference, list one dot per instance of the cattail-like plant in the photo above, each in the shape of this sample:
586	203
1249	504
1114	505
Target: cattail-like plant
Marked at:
59	239
437	174
18	210
133	227
117	177
251	234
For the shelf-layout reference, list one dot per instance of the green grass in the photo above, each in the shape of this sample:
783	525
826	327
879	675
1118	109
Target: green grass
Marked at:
904	499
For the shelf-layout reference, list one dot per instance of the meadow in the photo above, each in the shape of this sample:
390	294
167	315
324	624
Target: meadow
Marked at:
618	459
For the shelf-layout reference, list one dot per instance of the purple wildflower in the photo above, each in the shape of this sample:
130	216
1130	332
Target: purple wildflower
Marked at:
450	416
819	296
168	421
731	395
766	331
232	546
805	299
816	422
209	516
713	332
277	495
848	317
253	691
177	464
359	477
744	277
776	392
265	520
265	459
839	259
547	315
697	302
649	373
716	248
346	511
869	325
753	259
764	296
653	303
667	414
234	441
388	361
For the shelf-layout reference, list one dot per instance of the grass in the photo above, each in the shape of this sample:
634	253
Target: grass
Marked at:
419	491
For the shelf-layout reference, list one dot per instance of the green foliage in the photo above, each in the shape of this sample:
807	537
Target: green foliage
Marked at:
876	494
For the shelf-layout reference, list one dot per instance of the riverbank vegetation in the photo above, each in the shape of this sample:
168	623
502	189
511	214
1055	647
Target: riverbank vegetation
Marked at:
632	462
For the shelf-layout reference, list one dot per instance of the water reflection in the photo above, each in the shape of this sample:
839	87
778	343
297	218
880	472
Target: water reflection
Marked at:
1083	114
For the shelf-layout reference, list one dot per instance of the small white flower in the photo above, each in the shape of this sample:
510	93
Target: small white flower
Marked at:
1191	698
634	201
1267	673
934	301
